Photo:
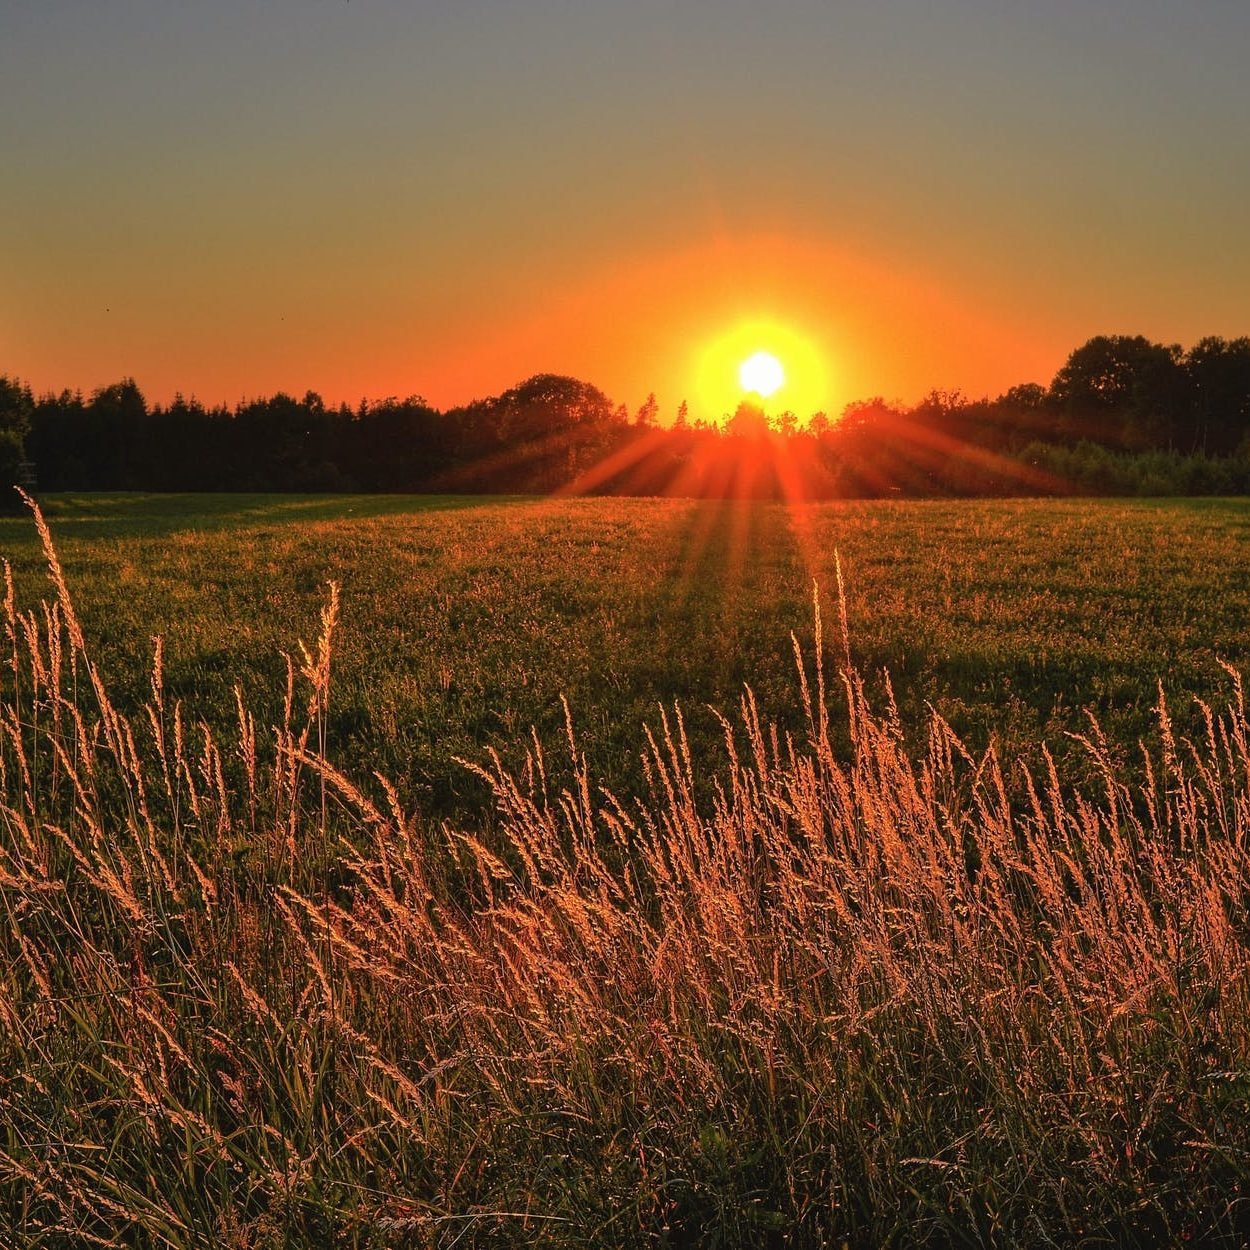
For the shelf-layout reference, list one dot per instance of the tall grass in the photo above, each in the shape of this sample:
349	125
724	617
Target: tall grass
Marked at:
864	997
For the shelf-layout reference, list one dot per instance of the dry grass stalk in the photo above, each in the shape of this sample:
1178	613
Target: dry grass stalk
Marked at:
246	1002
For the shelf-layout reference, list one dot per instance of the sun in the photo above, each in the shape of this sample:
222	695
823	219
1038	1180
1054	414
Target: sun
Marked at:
761	374
765	359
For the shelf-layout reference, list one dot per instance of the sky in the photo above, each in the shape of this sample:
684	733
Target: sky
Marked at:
371	198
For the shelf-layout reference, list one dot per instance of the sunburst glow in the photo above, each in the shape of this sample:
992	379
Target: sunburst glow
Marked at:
761	374
764	359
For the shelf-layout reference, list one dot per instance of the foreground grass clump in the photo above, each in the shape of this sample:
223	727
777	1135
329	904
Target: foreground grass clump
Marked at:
858	996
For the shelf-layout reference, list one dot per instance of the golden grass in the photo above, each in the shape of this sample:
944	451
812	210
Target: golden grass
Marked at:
246	1000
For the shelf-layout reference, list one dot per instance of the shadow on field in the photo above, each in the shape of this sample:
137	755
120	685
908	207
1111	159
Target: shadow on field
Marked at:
107	514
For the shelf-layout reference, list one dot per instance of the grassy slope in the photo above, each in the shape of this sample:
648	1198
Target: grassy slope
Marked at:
465	620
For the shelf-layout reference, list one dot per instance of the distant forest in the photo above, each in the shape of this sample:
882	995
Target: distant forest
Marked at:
1122	416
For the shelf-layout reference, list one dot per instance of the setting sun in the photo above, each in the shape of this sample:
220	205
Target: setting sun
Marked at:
761	374
748	358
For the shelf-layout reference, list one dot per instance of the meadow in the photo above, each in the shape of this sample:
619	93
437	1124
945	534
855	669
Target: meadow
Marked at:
466	621
342	954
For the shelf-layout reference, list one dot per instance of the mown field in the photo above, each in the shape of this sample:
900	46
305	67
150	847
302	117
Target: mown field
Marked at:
860	987
465	621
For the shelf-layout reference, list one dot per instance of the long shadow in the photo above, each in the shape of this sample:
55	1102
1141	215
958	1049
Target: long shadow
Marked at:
109	514
719	574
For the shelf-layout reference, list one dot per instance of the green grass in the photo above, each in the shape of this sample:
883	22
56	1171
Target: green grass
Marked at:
858	988
465	620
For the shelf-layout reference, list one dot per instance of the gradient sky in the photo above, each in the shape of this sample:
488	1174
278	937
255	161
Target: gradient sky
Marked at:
370	198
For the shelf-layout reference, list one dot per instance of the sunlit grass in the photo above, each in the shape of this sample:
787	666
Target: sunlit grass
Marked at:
466	620
859	993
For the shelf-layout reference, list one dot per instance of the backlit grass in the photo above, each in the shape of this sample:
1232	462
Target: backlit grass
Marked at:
465	621
250	1000
834	986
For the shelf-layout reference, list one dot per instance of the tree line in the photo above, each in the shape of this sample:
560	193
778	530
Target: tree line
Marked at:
1123	415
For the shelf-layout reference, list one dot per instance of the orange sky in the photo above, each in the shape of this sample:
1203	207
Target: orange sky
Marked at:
386	199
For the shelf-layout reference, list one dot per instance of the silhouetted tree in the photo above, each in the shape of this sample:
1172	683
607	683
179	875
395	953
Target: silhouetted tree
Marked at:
1219	376
1123	391
747	421
16	405
648	412
1122	415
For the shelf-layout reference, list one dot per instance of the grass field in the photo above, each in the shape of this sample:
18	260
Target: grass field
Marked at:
465	621
865	988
